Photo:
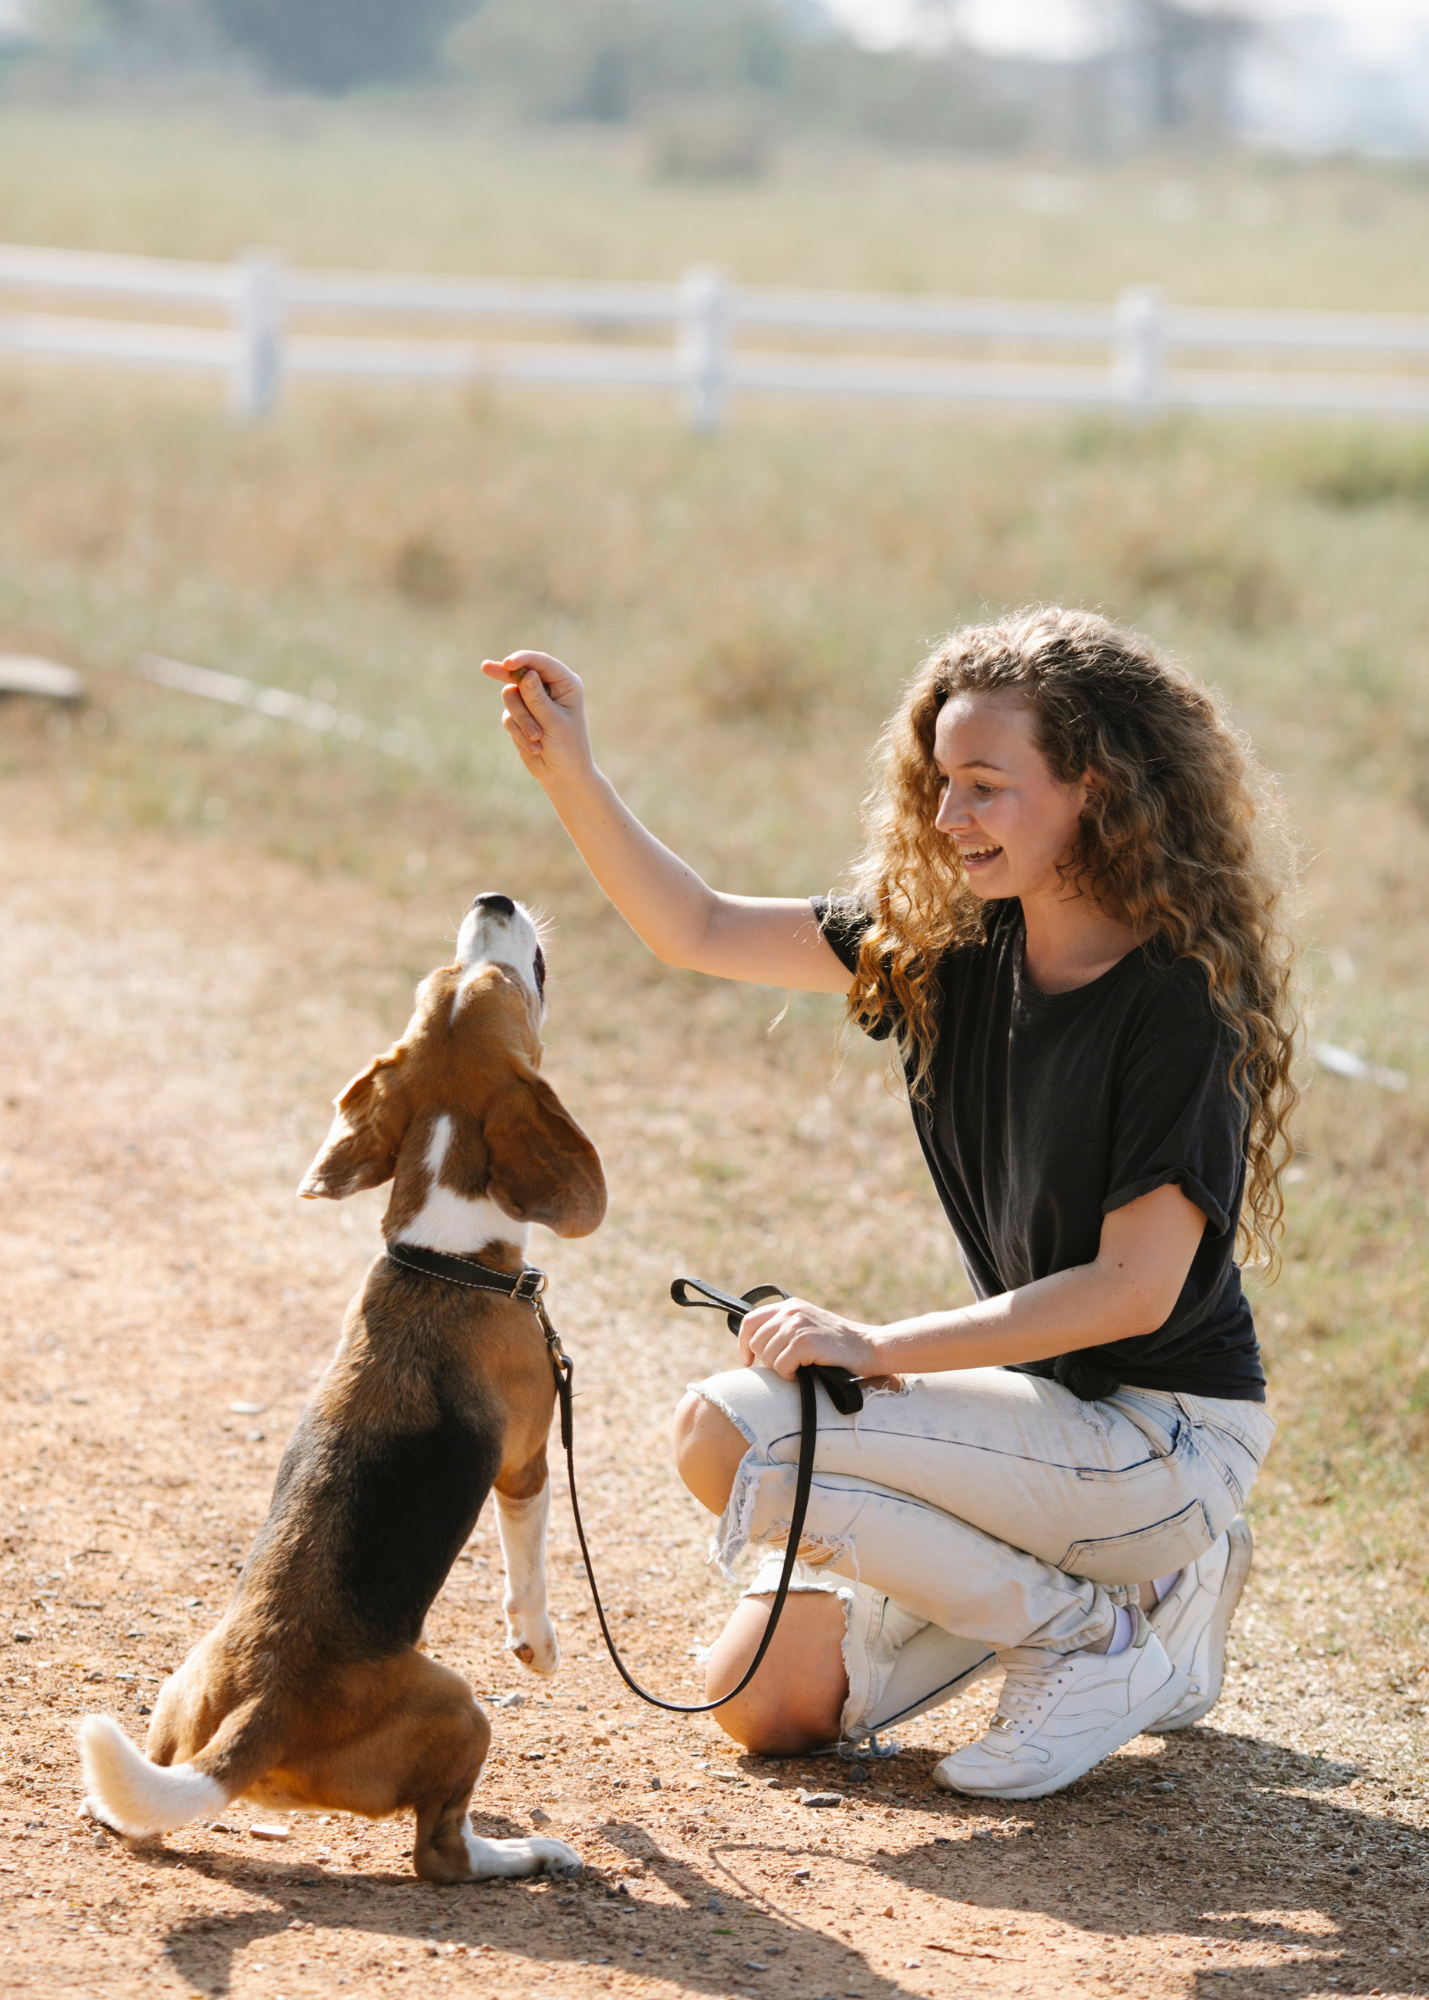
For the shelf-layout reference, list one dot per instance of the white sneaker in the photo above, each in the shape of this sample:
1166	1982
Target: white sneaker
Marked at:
1060	1714
1195	1620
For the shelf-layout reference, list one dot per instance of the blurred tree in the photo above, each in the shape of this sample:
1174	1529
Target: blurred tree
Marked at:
602	59
132	38
337	45
699	71
948	96
711	81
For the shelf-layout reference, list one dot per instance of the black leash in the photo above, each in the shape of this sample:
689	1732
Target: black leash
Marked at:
842	1387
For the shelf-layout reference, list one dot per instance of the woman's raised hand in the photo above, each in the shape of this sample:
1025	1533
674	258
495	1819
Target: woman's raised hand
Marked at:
545	714
790	1333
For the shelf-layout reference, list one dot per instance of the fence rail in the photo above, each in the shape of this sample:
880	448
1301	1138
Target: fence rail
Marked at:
257	299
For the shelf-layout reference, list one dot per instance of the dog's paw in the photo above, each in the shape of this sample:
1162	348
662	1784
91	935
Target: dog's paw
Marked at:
535	1645
516	1858
558	1859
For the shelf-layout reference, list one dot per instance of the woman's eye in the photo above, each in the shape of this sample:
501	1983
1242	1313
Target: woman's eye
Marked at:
985	791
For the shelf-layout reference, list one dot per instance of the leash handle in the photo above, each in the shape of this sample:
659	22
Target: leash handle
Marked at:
840	1384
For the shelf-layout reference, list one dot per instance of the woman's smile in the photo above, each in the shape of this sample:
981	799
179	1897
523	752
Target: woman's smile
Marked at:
985	747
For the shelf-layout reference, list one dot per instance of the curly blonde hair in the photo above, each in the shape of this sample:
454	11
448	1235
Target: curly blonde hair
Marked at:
1183	839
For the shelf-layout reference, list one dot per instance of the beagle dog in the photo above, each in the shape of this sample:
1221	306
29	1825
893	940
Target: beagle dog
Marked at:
312	1692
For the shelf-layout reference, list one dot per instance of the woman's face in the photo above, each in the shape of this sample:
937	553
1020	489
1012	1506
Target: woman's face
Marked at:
1011	819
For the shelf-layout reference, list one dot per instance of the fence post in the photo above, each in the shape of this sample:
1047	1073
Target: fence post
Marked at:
704	314
258	312
1139	350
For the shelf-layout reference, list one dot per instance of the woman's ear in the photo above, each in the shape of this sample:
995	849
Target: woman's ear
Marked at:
542	1166
360	1150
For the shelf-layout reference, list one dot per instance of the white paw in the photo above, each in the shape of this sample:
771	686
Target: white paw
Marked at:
556	1858
533	1641
515	1858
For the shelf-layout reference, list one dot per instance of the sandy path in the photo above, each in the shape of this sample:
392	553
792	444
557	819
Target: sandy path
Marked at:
174	1021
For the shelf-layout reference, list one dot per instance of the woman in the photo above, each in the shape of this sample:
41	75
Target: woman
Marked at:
1066	914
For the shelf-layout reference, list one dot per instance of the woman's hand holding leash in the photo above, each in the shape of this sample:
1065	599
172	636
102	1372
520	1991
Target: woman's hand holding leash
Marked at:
790	1334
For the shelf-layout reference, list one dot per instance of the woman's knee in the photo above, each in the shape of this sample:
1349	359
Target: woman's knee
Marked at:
708	1450
795	1702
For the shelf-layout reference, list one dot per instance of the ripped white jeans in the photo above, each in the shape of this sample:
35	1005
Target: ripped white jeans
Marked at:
967	1512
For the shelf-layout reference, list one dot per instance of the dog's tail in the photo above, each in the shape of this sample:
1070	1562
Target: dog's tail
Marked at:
124	1790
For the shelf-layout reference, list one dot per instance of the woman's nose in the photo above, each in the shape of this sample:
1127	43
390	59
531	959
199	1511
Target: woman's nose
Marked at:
949	815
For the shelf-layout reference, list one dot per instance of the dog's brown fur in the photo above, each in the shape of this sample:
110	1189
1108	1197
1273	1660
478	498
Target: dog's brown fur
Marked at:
312	1691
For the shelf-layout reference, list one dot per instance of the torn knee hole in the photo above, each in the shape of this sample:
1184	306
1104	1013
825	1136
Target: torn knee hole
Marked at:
818	1551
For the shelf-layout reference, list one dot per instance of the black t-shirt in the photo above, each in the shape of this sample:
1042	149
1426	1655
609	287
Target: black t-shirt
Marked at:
1049	1110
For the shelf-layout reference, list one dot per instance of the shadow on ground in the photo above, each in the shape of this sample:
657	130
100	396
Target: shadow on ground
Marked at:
712	1937
1213	1842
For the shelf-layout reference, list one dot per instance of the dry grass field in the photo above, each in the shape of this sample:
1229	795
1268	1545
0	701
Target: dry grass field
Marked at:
211	919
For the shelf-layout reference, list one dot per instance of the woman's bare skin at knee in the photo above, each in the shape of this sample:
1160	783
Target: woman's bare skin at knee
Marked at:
708	1451
795	1701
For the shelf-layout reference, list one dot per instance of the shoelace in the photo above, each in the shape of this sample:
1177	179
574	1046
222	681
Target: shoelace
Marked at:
1025	1693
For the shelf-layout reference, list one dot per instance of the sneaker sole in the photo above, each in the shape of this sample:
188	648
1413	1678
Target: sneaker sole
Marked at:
1145	1715
1242	1550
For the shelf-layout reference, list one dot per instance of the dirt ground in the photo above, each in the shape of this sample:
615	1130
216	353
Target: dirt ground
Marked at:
175	1019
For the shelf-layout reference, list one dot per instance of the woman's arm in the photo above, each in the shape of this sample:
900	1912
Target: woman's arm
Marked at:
769	940
1129	1288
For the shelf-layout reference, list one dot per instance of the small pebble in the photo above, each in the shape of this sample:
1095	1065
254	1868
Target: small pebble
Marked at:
539	1817
714	1904
821	1798
268	1832
655	1785
246	1409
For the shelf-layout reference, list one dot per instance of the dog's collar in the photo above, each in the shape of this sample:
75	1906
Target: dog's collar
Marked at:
526	1285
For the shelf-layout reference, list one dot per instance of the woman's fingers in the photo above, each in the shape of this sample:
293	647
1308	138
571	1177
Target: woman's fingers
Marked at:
528	751
779	1334
755	1324
545	714
519	716
541	673
791	1334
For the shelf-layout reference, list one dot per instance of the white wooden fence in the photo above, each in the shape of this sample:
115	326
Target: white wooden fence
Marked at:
705	355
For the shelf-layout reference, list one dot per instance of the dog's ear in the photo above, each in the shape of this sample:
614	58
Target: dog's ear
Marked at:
360	1151
542	1166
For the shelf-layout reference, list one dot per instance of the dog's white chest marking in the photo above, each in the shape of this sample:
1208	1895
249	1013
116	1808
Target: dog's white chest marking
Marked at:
455	1222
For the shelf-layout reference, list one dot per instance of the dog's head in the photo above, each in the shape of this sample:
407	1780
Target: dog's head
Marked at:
460	1097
